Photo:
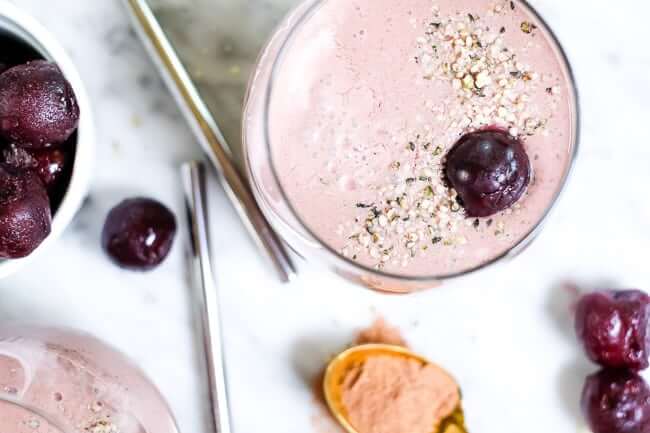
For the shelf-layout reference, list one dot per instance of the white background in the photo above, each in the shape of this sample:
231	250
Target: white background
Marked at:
505	333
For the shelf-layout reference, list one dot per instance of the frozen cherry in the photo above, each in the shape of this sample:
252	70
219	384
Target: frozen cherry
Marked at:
48	163
25	216
613	327
489	170
616	401
38	107
138	233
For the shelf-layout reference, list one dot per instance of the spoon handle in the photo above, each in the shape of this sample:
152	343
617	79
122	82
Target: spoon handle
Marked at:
194	183
209	135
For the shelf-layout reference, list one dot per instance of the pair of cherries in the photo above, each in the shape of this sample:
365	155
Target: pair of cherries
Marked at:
613	327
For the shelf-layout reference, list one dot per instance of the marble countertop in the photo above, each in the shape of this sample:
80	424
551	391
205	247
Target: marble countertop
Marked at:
505	332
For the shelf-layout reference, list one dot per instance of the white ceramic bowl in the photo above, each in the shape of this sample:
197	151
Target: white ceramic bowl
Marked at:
22	26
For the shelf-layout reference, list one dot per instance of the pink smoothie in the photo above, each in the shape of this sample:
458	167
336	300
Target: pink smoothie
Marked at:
17	419
368	98
76	383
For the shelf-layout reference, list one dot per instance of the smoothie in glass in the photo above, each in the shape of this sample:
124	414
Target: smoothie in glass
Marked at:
361	104
75	382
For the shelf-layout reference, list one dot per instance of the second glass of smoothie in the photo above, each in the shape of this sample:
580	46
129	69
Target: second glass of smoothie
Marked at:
406	142
62	381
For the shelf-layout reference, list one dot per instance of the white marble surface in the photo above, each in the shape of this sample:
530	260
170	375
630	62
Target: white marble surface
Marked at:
504	332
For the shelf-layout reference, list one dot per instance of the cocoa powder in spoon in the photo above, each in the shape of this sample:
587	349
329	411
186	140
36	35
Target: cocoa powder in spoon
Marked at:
393	395
389	394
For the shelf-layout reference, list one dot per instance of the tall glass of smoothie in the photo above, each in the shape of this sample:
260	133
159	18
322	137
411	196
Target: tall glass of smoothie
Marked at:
406	142
61	381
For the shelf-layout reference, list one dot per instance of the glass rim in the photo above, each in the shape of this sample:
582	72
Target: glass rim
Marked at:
513	250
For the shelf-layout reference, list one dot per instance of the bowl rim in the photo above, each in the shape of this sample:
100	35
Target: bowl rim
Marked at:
23	26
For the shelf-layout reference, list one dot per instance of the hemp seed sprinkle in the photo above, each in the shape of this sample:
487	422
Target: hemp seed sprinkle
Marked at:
415	212
102	426
528	27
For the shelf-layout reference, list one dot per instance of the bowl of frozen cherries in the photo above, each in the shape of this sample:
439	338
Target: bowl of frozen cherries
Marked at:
46	139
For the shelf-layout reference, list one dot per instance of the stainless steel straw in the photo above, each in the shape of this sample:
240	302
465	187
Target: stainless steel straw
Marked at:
193	174
206	130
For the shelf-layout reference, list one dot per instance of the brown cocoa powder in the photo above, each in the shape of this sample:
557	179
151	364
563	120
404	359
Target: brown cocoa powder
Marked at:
390	394
380	332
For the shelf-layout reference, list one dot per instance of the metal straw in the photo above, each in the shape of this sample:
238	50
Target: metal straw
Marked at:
193	174
209	135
